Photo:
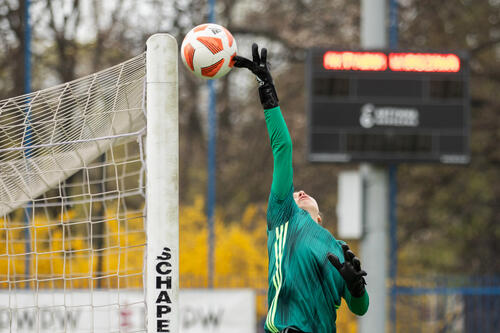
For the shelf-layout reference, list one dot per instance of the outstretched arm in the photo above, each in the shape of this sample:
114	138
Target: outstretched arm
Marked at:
281	143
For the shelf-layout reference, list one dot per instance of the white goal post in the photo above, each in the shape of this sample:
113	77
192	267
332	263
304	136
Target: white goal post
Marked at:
163	184
89	232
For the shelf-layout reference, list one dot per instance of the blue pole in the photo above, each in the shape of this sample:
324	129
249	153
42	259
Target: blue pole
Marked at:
27	48
212	130
28	136
393	185
393	192
393	23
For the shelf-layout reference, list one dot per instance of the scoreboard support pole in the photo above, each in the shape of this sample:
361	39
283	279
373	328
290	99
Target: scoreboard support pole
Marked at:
374	242
375	193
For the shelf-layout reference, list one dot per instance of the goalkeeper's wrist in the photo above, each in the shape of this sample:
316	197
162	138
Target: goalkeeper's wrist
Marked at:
357	289
358	293
268	96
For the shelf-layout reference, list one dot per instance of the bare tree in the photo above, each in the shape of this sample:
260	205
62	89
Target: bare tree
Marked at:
12	15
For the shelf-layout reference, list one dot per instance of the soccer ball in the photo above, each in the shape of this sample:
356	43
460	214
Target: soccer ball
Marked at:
208	51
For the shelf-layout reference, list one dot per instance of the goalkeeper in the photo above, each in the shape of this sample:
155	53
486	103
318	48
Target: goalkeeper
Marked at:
309	270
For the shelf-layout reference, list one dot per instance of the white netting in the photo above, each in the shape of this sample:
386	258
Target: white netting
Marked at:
72	188
61	129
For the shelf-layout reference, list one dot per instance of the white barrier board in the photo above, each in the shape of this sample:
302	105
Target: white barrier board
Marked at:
106	311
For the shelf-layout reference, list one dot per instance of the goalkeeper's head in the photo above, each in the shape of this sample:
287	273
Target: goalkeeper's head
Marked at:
307	203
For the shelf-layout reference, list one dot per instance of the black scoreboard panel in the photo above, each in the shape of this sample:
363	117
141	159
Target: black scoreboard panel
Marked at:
387	106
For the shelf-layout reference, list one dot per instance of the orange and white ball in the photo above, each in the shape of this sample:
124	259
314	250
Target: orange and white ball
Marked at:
208	51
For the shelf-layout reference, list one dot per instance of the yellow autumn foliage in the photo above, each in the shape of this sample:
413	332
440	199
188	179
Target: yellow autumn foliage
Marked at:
65	255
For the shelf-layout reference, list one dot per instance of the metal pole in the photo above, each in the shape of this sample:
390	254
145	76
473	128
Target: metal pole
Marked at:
212	130
27	140
374	252
393	192
393	187
27	48
393	24
376	192
373	28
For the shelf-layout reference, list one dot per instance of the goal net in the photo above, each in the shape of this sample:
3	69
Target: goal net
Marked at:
77	164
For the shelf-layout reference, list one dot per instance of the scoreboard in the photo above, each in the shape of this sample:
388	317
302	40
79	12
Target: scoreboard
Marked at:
387	106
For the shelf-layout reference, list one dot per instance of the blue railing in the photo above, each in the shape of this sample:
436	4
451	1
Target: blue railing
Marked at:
447	304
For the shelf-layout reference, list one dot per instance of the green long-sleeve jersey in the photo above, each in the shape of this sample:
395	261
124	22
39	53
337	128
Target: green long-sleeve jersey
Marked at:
305	290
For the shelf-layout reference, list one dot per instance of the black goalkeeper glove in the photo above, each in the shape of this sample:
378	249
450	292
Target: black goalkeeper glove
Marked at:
350	270
258	66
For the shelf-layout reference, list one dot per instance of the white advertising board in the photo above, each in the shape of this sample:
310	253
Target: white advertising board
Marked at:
201	310
229	310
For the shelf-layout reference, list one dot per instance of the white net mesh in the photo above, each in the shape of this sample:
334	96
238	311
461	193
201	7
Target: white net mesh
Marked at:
72	188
